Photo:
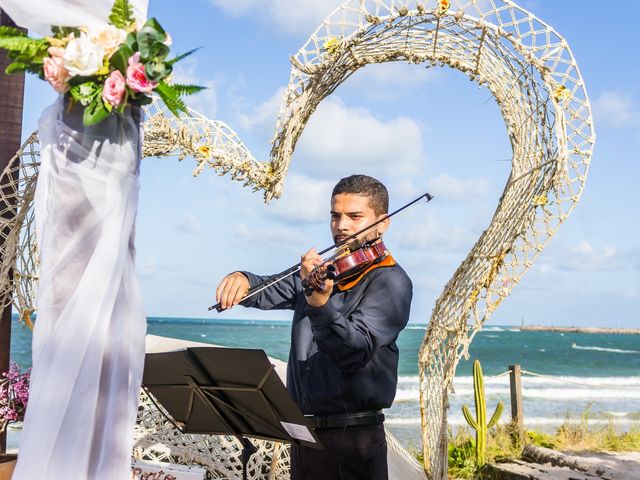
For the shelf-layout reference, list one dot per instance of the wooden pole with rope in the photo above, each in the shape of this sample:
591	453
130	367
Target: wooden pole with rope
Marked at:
11	100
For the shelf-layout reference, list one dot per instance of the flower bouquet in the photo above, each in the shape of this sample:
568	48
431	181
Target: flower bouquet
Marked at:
103	70
14	394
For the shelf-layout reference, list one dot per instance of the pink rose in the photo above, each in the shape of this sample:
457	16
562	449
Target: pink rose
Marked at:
56	74
137	78
114	87
56	51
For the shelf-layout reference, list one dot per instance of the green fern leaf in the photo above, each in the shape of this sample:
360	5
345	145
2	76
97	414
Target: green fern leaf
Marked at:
187	89
171	98
121	14
62	32
16	67
11	32
184	55
24	46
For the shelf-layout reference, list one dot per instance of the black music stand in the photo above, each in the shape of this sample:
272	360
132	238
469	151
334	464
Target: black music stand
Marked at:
226	391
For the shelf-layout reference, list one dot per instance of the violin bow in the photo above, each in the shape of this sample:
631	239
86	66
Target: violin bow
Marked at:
292	270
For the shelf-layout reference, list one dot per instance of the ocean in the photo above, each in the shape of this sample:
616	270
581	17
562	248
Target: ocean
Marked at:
578	375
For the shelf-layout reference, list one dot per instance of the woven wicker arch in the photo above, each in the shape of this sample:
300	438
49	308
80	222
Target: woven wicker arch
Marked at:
536	83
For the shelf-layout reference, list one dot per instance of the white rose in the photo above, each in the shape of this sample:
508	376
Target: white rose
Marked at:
109	38
83	57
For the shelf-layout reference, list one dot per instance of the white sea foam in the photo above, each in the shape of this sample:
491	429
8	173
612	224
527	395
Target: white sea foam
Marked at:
457	420
617	414
493	329
603	349
556	388
462	381
552	379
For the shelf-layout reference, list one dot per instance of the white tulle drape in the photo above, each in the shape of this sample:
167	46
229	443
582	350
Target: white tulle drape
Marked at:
88	341
38	15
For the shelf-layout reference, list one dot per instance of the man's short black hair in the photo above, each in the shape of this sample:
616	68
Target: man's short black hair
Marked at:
367	187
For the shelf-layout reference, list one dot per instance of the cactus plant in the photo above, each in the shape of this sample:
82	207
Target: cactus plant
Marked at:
480	424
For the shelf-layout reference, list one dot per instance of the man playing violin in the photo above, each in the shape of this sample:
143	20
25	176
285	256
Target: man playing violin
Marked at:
343	362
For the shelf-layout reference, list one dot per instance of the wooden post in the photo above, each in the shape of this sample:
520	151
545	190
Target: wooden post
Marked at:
516	400
11	98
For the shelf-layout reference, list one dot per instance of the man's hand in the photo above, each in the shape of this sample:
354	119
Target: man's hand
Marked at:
308	262
232	290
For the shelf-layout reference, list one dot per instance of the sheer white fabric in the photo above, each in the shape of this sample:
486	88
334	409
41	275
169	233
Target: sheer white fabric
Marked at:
39	15
88	342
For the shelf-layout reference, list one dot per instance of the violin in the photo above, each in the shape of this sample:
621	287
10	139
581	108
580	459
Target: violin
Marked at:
350	261
352	257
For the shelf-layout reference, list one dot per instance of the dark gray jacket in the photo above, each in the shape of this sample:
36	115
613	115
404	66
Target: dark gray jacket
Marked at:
344	357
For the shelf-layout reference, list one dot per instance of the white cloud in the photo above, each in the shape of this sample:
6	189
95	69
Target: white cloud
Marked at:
446	187
189	224
543	268
239	7
292	16
264	115
391	80
205	102
304	200
583	256
269	236
432	234
616	109
340	140
339	137
302	17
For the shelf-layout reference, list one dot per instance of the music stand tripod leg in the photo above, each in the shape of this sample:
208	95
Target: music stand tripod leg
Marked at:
248	449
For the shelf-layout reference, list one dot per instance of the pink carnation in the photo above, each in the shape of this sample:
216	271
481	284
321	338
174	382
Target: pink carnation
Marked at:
114	87
137	78
56	74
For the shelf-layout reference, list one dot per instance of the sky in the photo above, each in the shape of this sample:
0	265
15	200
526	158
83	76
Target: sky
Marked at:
416	129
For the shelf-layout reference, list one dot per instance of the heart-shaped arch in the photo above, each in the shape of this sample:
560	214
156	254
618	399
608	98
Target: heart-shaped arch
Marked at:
535	80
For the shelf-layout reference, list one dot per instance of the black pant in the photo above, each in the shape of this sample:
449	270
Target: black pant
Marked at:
350	453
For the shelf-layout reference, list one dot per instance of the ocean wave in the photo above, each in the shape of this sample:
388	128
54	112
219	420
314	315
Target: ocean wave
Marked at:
620	414
603	349
550	394
544	388
559	380
544	380
571	394
457	420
